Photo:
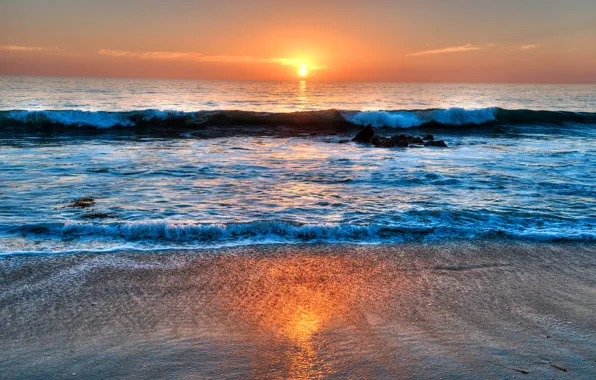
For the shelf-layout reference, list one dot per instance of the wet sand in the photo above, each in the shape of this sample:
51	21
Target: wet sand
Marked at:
482	310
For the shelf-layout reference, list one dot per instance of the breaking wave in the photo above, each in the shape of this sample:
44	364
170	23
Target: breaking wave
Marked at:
454	117
409	119
162	234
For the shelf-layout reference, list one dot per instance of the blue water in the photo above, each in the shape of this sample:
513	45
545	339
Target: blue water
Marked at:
534	180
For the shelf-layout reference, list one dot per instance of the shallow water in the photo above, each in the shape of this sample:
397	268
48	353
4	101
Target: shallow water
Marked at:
519	175
536	183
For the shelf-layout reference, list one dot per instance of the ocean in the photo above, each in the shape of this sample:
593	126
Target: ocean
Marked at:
175	164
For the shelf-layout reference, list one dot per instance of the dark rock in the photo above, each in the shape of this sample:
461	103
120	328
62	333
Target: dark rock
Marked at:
428	138
377	140
440	143
395	141
365	135
82	203
415	140
344	141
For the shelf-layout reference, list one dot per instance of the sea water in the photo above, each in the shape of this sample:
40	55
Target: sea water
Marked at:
508	172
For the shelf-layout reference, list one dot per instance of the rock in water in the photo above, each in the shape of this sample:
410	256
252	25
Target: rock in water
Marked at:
401	141
377	140
440	143
415	140
82	203
365	135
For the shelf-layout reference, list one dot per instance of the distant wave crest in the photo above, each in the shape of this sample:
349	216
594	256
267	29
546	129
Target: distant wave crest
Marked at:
409	119
452	117
92	119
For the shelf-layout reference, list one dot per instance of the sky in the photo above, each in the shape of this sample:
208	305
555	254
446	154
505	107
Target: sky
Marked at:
528	41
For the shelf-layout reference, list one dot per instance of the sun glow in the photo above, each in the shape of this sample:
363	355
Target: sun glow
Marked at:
303	70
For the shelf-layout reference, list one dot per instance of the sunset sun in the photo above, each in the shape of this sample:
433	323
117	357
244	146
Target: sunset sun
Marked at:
303	70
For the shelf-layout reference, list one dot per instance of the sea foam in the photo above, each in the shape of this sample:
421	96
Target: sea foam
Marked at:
95	119
410	119
272	231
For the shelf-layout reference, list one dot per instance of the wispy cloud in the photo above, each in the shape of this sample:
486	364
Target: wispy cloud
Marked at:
171	55
524	48
28	49
162	55
470	47
450	49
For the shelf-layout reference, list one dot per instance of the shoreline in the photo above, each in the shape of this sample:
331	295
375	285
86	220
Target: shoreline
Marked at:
451	310
232	248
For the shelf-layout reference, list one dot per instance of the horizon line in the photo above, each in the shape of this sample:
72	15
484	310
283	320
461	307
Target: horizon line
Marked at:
294	80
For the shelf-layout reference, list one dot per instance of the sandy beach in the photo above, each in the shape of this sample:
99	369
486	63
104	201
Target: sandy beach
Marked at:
470	310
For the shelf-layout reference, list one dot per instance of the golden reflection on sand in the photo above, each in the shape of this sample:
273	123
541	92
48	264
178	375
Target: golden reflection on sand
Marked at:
292	303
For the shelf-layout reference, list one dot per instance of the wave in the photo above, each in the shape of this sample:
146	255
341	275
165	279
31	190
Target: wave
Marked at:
91	119
452	117
410	119
173	235
458	117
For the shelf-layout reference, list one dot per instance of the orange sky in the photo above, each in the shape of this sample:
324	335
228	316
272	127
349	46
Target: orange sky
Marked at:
543	41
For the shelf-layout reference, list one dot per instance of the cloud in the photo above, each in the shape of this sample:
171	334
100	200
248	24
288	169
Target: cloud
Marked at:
451	49
162	55
189	56
470	47
28	49
524	48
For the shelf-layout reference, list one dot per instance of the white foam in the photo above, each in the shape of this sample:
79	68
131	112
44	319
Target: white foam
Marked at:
73	118
400	119
163	235
410	119
280	230
162	230
97	119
